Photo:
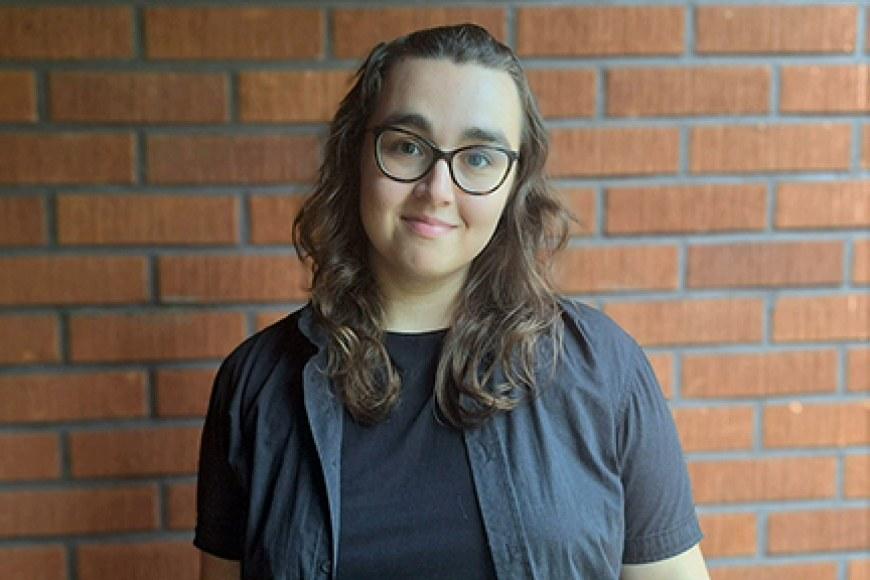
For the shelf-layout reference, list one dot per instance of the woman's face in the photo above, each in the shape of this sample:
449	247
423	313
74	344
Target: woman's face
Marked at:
430	230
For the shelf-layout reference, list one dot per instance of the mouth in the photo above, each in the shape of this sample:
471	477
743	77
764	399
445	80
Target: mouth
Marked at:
427	227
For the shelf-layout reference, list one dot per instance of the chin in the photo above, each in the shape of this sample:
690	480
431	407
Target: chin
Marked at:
429	271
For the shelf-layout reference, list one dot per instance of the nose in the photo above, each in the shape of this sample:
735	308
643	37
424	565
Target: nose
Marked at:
438	184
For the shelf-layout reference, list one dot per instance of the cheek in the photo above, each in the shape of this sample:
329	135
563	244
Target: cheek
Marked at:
379	202
371	215
484	214
500	200
370	197
379	197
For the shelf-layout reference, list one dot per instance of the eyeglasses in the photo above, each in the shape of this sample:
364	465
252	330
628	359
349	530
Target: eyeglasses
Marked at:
405	156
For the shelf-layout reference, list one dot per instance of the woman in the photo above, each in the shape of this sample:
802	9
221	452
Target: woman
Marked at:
436	411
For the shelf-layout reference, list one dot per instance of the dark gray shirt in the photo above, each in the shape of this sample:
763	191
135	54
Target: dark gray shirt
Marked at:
586	476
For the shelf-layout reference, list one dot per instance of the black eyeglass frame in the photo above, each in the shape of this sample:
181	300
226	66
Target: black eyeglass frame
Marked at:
438	154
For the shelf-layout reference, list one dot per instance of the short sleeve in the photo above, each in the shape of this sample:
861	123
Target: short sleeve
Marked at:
221	503
660	519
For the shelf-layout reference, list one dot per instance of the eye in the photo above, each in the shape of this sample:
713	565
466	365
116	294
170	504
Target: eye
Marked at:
477	158
408	147
400	145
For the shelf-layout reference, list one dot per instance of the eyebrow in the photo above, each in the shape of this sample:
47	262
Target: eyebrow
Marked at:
421	123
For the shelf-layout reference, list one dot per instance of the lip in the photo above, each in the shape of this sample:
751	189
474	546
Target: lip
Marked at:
427	226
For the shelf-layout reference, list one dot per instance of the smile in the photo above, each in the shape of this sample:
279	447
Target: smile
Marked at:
427	227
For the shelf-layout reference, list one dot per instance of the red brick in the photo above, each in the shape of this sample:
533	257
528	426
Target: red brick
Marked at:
617	151
179	159
817	425
272	217
857	485
865	147
72	396
232	279
820	318
827	571
825	89
181	502
759	375
137	452
838	204
305	96
22	220
728	535
261	33
66	158
29	456
775	29
183	392
663	367
138	97
148	561
19	95
685	209
609	269
859	569
803	263
641	92
60	32
355	32
832	531
73	280
581	202
734	428
37	563
154	337
861	262
147	219
756	480
600	31
690	321
78	511
765	148
564	92
858	369
28	339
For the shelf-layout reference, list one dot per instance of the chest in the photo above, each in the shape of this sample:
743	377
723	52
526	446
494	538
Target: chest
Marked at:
547	476
544	476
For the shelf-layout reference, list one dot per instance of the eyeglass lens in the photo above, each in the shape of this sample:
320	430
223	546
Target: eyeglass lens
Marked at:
476	169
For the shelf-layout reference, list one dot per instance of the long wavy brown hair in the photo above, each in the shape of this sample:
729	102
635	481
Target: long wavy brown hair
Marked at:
506	315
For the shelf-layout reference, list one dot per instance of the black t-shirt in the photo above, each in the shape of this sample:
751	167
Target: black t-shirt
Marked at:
408	507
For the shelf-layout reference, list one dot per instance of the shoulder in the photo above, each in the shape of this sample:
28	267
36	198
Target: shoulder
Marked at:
266	341
596	334
594	341
591	319
252	360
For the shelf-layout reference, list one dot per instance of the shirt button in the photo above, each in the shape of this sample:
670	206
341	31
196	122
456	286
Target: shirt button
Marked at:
325	566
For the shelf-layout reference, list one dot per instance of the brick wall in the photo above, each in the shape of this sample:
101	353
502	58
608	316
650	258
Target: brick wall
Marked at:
152	158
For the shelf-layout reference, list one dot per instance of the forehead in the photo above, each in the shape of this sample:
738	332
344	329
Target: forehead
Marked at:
453	98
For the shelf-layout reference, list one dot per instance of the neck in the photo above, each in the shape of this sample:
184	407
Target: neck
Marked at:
418	306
